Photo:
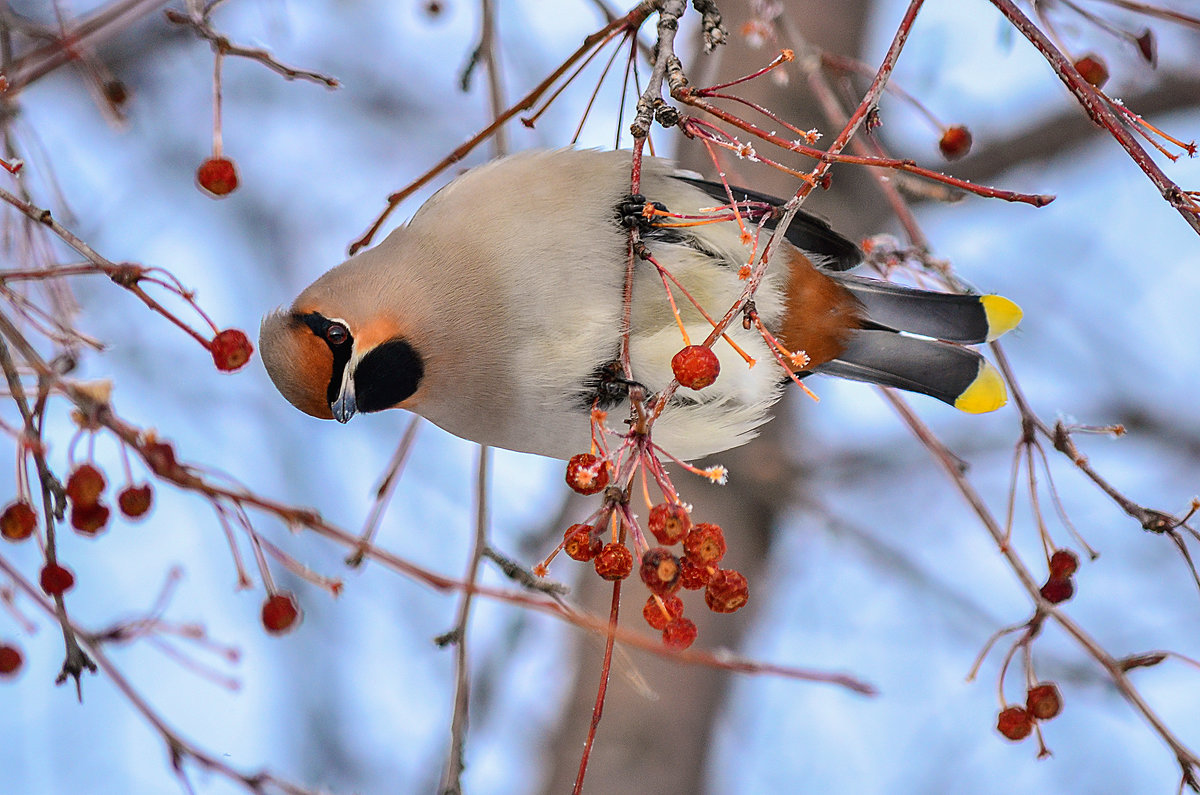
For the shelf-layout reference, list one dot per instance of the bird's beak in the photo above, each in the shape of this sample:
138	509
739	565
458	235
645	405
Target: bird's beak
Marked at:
345	406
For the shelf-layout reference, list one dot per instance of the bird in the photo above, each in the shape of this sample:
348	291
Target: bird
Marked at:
496	313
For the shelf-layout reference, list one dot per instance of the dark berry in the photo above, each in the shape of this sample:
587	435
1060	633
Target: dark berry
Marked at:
1014	723
1063	563
85	485
89	518
1042	701
10	660
55	579
1058	590
18	521
135	501
955	142
660	571
280	612
1092	69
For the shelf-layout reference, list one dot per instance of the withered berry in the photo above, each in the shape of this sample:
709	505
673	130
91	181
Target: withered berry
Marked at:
705	544
669	523
55	579
695	367
1063	563
655	605
614	562
135	501
1014	723
660	571
160	457
727	591
587	473
680	633
217	176
280	612
1058	590
85	485
89	518
693	575
1042	701
580	542
10	660
18	521
231	349
955	142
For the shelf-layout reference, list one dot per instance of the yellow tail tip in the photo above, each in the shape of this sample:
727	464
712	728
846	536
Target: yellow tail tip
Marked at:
1003	315
986	393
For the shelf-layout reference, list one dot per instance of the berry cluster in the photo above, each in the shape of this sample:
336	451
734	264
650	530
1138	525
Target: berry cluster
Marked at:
1042	702
1060	585
89	515
664	572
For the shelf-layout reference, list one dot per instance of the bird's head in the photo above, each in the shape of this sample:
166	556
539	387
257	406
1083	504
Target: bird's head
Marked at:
333	358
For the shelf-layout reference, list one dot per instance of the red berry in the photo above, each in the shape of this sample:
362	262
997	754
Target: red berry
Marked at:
56	580
89	519
660	571
135	501
1014	723
231	349
1042	701
692	575
614	562
695	367
955	142
280	612
581	543
727	591
587	473
1058	590
1063	563
217	176
705	544
18	521
680	633
654	613
1092	69
85	485
10	660
669	522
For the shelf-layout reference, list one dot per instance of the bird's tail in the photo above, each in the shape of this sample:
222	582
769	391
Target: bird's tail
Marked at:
929	363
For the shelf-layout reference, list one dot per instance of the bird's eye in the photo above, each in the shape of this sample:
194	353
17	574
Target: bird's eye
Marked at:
336	334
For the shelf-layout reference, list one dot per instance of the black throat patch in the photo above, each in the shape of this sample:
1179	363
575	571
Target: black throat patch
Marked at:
387	374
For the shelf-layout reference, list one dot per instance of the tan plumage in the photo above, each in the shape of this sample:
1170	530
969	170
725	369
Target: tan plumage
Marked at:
499	304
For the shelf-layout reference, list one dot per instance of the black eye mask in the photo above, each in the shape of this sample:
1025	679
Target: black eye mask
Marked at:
341	344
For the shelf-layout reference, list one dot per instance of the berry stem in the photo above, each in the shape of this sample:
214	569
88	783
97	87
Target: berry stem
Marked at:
217	139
